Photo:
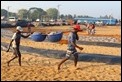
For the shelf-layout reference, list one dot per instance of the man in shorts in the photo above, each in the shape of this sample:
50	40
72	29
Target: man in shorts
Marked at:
71	50
15	43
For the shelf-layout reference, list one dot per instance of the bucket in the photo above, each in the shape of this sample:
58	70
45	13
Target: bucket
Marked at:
55	37
38	37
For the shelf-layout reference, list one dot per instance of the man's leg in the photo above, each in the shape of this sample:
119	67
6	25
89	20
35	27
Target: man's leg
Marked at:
68	54
75	58
14	53
62	62
92	31
19	55
88	31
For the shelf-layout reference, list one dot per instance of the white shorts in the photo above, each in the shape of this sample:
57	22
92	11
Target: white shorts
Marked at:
69	53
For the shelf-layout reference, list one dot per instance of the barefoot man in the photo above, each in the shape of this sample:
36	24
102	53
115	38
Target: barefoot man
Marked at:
15	43
71	50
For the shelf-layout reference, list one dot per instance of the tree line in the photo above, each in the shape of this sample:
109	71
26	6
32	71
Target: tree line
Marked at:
37	13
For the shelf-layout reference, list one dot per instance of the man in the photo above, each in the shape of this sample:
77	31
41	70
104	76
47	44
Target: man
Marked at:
71	50
15	43
91	28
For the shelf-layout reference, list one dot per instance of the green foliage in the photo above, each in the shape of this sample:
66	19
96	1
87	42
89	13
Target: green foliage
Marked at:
53	12
22	13
36	13
4	12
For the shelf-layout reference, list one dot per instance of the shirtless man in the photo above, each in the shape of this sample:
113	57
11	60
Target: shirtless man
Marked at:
15	43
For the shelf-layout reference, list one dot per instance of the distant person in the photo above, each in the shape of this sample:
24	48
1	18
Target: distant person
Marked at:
15	43
71	50
29	27
91	28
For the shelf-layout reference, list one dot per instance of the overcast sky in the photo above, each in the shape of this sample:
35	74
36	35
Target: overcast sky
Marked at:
91	8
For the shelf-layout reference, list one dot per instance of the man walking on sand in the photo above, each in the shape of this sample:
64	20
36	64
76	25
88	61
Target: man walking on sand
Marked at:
71	50
15	43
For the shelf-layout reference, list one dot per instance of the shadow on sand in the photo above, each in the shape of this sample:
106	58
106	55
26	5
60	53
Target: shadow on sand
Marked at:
88	57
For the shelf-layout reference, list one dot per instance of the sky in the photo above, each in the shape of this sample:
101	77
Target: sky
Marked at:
90	8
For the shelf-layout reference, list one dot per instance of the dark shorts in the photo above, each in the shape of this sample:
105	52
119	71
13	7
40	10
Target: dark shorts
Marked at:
16	51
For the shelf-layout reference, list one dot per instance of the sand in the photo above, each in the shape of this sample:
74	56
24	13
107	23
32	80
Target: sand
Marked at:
36	67
63	47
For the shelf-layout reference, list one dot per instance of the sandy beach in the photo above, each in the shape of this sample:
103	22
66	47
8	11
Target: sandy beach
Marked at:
37	67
